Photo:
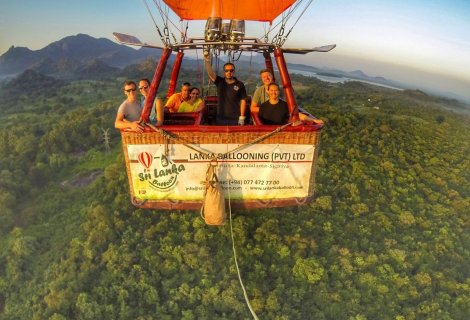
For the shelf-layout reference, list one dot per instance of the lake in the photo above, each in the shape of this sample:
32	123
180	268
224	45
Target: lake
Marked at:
339	79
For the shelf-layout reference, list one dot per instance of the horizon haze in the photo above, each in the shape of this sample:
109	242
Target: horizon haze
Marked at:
418	43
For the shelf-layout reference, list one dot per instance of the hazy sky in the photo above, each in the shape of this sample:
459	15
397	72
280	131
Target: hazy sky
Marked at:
425	42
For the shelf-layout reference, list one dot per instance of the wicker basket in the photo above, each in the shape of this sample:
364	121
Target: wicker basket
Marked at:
192	137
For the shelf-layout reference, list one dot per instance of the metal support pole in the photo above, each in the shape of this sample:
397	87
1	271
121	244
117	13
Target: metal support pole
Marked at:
174	74
286	84
157	78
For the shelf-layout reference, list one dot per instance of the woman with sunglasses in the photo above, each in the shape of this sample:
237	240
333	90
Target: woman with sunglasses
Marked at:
194	104
157	113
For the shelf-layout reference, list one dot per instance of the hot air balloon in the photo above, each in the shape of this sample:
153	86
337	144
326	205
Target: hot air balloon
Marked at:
259	165
145	159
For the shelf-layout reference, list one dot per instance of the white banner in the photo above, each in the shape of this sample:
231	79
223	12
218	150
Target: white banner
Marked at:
261	171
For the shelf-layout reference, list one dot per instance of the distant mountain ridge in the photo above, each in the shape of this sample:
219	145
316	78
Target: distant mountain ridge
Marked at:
70	54
84	57
356	75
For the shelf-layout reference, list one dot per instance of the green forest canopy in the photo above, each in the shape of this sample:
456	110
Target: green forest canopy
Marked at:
387	236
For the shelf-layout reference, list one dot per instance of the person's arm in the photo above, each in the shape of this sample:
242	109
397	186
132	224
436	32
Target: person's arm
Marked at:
207	63
243	96
254	107
304	117
171	103
201	106
241	119
160	112
121	123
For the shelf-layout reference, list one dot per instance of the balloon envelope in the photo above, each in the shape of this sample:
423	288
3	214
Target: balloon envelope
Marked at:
145	159
256	10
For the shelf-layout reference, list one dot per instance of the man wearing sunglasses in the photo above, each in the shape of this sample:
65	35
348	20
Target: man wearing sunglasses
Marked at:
129	111
231	94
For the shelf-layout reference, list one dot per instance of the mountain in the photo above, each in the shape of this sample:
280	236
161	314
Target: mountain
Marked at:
15	60
83	56
62	67
39	86
72	51
354	75
144	69
95	69
35	80
358	74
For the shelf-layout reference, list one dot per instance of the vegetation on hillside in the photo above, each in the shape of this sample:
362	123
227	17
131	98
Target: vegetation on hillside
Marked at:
387	236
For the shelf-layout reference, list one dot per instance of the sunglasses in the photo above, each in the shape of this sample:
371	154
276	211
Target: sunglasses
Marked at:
130	90
143	87
229	70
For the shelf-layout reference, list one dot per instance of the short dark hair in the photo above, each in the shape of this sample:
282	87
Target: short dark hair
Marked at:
273	84
191	90
229	64
145	79
129	83
187	84
266	70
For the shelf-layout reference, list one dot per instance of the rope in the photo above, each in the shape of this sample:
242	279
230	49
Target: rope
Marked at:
263	137
164	14
163	40
280	37
300	201
169	135
245	295
253	313
298	18
200	74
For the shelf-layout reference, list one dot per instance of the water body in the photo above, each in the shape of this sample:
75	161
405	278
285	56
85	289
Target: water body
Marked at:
340	79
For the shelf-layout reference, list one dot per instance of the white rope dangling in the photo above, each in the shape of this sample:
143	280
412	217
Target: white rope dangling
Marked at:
245	295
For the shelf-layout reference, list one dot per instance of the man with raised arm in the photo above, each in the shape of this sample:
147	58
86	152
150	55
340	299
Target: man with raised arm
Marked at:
231	94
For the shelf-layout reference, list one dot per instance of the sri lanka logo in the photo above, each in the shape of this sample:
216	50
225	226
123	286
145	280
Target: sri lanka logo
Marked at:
164	176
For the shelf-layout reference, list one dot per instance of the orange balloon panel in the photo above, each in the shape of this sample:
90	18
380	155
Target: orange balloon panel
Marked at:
257	10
